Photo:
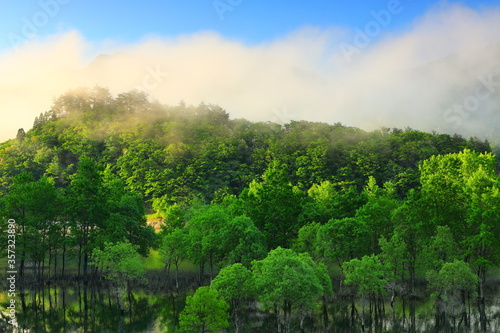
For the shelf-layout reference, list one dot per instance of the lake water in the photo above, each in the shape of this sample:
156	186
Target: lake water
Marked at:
152	309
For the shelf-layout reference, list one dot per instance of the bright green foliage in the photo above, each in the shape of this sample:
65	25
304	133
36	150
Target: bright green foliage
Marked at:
307	239
205	236
368	274
174	249
213	237
234	283
332	201
376	213
394	256
35	206
288	281
452	277
342	240
449	285
441	249
173	215
101	210
87	207
126	216
180	158
312	166
463	191
205	312
141	167
411	228
119	262
321	273
174	246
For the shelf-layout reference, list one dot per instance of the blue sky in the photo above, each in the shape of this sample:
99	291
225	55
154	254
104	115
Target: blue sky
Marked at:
263	60
249	21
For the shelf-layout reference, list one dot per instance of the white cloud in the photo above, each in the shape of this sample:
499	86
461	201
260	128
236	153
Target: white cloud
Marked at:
305	73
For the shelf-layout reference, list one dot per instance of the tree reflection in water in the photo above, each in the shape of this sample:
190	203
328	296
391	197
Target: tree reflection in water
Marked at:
76	308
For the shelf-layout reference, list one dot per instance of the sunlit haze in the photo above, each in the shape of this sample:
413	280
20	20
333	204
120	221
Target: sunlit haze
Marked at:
382	63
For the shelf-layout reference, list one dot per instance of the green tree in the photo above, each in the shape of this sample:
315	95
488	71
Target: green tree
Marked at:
205	312
342	240
87	208
411	227
307	239
463	192
369	275
242	242
376	213
205	236
235	284
172	215
126	219
174	250
329	200
286	282
35	206
120	263
273	205
449	285
441	249
395	257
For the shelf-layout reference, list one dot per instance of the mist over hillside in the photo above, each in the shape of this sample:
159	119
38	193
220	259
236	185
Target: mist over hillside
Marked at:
440	74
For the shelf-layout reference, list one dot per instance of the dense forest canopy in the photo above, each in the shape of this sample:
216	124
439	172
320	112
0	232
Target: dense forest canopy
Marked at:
181	152
248	198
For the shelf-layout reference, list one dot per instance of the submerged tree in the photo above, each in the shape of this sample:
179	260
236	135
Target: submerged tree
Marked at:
205	312
87	208
369	275
35	206
120	263
173	250
288	282
235	284
449	285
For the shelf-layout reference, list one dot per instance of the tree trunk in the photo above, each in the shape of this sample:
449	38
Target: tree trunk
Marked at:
21	266
363	318
119	298
177	276
50	261
85	266
63	260
202	272
278	317
55	264
325	312
79	259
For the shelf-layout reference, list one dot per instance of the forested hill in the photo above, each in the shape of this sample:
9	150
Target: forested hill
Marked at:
177	153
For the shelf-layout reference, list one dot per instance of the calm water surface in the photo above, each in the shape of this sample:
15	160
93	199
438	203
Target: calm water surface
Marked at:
75	308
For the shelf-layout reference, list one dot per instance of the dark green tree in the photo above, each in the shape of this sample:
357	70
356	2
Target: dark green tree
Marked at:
274	205
87	208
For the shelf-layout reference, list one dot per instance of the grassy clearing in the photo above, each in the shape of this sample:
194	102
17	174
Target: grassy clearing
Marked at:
155	261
